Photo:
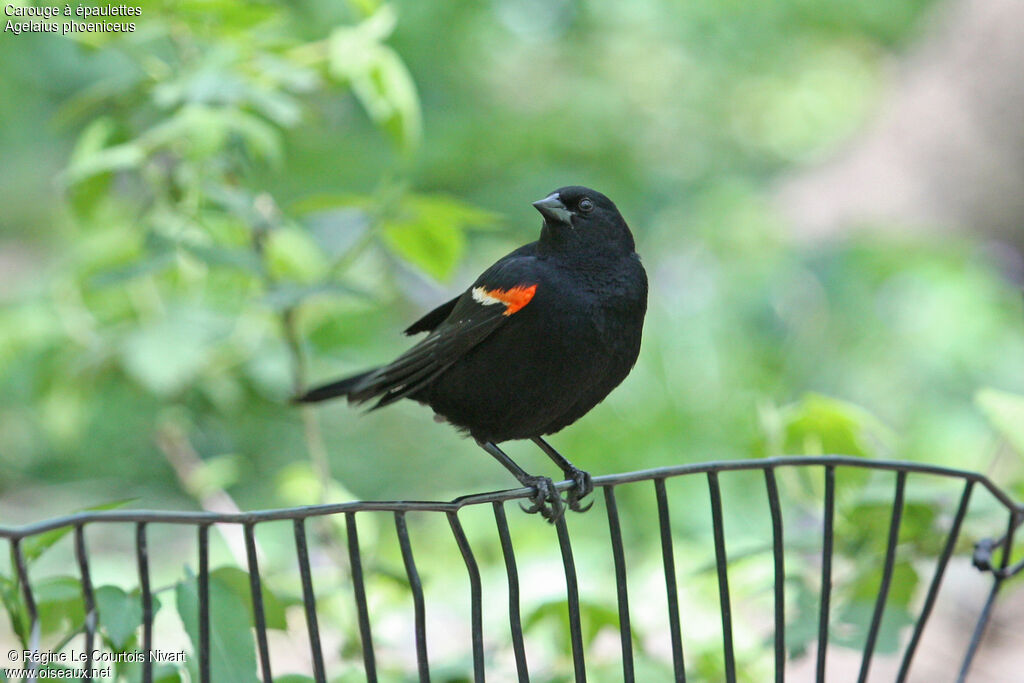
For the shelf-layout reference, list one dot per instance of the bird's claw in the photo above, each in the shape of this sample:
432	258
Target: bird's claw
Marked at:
545	499
582	487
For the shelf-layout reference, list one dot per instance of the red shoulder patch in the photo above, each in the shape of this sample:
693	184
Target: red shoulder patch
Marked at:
514	298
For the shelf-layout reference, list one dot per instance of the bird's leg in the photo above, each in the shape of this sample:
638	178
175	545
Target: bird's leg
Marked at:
583	484
545	497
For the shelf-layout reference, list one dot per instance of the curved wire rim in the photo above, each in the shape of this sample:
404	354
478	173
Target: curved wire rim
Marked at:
302	512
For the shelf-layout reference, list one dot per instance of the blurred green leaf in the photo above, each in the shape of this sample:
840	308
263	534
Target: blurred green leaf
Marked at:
165	356
293	255
821	425
378	76
59	604
298	484
232	650
856	617
116	158
428	232
351	47
120	615
147	266
166	673
388	93
243	259
434	247
237	581
594	617
92	155
14	608
37	544
1005	411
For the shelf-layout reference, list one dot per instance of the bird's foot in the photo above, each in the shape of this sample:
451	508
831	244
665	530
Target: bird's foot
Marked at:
582	487
545	499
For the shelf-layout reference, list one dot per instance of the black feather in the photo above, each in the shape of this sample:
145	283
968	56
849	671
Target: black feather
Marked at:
342	387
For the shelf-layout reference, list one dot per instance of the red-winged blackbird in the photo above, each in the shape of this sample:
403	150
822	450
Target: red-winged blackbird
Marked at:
536	342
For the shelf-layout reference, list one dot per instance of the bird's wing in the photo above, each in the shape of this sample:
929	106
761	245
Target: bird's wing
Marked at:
501	292
431	320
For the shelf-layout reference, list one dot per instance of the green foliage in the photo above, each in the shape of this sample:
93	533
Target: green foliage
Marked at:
248	197
120	615
1006	413
554	616
232	650
820	425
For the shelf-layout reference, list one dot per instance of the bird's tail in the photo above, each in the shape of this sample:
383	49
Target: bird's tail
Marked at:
342	387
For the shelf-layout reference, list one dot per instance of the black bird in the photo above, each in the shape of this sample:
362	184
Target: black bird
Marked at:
536	342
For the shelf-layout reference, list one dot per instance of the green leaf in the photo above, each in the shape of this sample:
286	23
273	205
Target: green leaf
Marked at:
167	355
293	255
120	614
167	673
36	545
10	595
92	156
147	266
428	232
116	158
350	47
205	130
243	259
378	76
856	616
821	425
59	604
593	618
262	139
388	94
232	651
1005	411
237	581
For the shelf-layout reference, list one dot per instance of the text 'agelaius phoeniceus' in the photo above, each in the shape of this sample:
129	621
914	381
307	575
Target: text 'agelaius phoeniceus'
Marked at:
536	342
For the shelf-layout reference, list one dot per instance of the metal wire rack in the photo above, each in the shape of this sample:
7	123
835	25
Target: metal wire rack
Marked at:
992	556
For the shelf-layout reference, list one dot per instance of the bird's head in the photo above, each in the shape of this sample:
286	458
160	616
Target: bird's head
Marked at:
577	217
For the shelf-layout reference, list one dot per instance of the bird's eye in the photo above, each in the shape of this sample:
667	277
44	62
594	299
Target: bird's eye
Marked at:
585	205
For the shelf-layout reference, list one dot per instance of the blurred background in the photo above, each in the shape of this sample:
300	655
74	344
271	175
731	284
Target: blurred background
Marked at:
237	200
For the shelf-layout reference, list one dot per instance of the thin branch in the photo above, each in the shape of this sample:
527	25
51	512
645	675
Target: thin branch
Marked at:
187	465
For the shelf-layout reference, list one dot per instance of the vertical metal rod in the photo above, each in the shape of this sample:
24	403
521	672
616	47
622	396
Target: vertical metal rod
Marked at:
362	612
256	589
619	558
722	562
668	556
416	587
986	611
979	630
778	550
573	595
514	617
30	600
887	570
204	603
936	584
476	603
309	599
826	568
146	596
88	598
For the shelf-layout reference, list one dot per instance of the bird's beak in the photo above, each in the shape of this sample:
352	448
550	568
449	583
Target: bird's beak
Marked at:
552	208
